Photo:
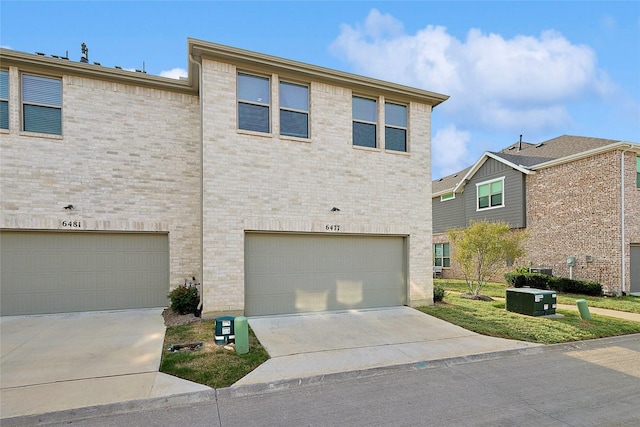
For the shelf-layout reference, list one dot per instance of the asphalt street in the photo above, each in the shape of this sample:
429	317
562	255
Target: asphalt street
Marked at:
587	383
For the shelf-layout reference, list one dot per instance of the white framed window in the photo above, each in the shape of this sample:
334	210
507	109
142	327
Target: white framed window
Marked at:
254	103
441	256
638	172
4	99
41	104
490	194
365	120
448	196
395	129
294	110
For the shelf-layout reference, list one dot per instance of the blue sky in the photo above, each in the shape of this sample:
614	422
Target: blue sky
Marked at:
540	69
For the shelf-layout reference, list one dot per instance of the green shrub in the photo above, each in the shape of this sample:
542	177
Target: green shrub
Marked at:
438	292
561	284
184	299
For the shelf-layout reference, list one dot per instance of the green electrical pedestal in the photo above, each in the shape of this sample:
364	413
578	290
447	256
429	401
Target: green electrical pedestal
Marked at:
242	335
583	308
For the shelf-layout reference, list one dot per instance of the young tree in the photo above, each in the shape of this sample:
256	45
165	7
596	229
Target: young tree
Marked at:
482	248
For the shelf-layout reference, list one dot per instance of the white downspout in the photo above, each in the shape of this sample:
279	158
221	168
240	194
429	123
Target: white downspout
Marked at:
623	262
197	64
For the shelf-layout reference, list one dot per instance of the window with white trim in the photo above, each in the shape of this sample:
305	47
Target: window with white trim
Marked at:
490	194
254	103
41	104
4	99
365	119
638	172
441	256
447	196
294	110
395	130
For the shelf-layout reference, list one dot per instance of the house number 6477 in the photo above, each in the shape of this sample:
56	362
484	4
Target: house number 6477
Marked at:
332	227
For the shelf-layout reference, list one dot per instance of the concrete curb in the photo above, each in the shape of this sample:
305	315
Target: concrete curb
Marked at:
75	415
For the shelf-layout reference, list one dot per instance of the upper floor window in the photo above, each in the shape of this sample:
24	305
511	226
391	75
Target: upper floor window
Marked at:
4	99
253	103
294	110
638	172
441	257
365	118
395	131
447	196
41	104
490	194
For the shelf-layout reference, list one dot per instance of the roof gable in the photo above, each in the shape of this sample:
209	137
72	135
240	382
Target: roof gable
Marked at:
526	158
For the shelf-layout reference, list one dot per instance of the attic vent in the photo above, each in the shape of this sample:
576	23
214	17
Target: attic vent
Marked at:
540	145
455	175
440	179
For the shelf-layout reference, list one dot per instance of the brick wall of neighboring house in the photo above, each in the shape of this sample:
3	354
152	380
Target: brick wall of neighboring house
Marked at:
128	160
266	182
573	210
632	210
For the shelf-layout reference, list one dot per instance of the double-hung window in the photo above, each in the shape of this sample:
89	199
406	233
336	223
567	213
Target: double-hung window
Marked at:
253	103
638	172
490	194
395	130
41	104
294	110
441	257
4	99
365	118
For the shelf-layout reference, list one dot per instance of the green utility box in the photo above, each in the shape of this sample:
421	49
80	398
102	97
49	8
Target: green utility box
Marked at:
532	302
224	330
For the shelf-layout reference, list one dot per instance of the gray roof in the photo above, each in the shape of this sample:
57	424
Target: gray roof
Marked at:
529	155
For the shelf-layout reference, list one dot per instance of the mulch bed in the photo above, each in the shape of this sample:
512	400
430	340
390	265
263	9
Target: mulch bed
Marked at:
175	319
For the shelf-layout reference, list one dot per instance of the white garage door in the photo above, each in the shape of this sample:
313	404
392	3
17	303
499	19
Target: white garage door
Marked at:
296	273
49	272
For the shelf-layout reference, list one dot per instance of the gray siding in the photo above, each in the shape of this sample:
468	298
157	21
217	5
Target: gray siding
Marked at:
448	214
514	195
457	213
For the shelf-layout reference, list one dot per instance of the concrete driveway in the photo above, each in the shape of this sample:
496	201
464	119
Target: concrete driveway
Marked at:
65	361
315	344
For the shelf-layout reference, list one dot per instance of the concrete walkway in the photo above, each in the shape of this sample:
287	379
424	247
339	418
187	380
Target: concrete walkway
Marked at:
66	361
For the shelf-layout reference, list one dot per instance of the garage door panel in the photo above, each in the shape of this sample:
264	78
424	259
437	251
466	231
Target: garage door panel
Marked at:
288	273
47	272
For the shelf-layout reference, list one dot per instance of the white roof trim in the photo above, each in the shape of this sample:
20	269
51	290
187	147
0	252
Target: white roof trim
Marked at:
621	145
481	162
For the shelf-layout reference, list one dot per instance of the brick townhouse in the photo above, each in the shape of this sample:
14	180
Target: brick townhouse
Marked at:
578	198
282	187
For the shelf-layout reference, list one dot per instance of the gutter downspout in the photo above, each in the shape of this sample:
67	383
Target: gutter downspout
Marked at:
199	65
623	263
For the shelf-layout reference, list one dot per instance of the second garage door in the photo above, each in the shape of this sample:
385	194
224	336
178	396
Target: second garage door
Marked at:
296	273
56	272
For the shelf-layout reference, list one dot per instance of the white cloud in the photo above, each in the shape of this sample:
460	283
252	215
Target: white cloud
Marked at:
494	83
174	73
450	151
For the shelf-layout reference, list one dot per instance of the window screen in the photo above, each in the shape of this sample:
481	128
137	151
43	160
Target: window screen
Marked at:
42	104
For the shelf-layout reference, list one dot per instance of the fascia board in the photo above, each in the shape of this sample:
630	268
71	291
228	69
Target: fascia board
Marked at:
460	185
620	145
44	64
260	61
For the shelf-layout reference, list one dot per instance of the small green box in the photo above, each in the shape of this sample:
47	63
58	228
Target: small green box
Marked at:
532	302
224	330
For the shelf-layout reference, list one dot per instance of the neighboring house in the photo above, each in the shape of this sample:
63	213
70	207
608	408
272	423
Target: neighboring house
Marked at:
283	187
578	199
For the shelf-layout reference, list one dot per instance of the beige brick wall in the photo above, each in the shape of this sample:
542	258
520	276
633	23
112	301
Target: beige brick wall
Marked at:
271	183
128	160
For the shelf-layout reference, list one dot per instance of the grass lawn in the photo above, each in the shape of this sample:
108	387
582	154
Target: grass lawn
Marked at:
490	318
625	303
212	366
216	367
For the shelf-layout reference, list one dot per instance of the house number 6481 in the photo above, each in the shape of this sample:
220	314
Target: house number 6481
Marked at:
71	224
